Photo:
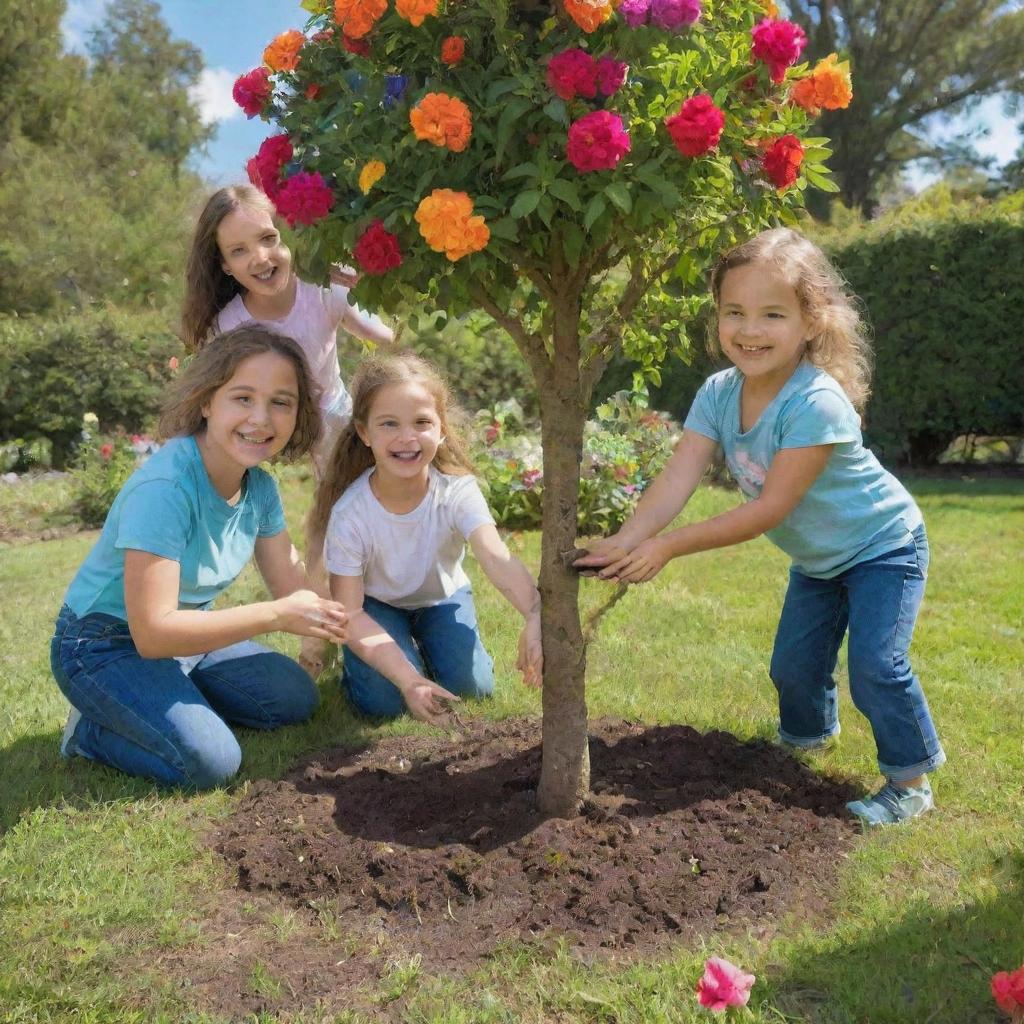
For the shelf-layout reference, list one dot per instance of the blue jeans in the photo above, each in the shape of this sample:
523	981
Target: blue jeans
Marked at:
878	601
443	643
166	720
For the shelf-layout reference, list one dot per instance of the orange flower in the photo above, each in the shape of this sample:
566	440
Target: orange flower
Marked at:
447	223
828	87
770	7
589	14
453	49
355	18
442	120
414	11
283	52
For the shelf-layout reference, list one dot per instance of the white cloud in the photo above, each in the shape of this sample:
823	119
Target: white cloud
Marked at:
212	94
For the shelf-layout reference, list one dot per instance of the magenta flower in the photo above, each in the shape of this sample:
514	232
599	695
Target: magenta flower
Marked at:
252	90
697	127
264	169
723	985
674	14
597	141
779	44
635	12
611	74
304	199
572	73
531	477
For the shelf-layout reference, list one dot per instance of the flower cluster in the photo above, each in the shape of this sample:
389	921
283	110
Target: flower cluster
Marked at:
723	985
442	120
675	14
828	87
1008	992
265	168
304	198
573	73
782	160
589	14
377	250
779	44
283	52
447	224
453	49
252	90
372	172
415	11
697	127
597	141
356	18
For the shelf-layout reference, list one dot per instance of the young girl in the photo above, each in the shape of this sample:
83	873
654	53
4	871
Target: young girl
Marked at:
401	502
785	417
152	676
240	271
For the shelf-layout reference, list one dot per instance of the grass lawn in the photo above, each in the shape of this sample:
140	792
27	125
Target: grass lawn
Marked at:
103	877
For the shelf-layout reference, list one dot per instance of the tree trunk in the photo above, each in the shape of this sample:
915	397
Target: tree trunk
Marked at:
565	771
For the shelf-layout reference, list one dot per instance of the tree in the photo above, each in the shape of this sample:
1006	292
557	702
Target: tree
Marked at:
913	59
477	154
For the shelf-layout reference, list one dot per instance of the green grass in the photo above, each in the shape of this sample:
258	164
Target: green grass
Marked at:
102	875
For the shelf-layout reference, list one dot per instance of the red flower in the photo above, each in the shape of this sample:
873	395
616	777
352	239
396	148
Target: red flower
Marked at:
252	90
697	127
106	450
781	161
312	91
1008	991
264	169
492	432
572	73
597	141
304	199
453	48
377	250
779	44
611	74
360	47
531	477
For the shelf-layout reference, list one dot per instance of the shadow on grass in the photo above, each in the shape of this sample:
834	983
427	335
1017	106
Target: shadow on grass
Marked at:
931	966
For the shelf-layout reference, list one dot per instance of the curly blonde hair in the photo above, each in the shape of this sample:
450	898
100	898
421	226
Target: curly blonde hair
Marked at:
842	348
351	457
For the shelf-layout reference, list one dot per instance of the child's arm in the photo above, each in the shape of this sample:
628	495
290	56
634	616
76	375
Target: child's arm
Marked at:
660	504
514	581
365	325
375	646
161	630
789	477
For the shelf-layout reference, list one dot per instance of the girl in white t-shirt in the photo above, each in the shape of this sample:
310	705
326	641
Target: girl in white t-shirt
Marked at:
398	503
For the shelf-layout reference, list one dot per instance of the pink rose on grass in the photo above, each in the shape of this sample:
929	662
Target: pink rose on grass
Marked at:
779	44
1008	992
304	199
572	73
674	14
723	985
597	141
635	12
611	74
252	90
697	127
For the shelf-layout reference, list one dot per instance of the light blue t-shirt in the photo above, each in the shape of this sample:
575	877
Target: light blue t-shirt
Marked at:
854	511
170	508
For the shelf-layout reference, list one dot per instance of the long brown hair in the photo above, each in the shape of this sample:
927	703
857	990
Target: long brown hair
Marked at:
842	347
351	457
208	289
215	364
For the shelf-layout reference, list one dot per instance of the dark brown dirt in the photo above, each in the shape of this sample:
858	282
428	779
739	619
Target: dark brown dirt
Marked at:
435	842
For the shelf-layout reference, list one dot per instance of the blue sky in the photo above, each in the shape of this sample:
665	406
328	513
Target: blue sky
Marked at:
232	34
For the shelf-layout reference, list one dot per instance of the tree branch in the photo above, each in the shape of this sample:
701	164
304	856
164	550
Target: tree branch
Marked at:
530	345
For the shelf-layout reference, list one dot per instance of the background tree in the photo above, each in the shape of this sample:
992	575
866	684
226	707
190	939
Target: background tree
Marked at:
913	59
474	155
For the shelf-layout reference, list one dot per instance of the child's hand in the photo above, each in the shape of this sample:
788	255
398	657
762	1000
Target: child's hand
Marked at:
643	563
531	654
347	277
427	701
601	553
306	613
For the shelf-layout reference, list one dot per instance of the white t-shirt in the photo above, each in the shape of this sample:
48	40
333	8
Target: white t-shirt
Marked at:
412	560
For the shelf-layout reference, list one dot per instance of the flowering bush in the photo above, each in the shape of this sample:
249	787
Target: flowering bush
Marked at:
624	448
100	471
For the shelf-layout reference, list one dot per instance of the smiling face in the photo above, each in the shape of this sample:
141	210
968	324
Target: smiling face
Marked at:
252	252
403	430
250	418
761	327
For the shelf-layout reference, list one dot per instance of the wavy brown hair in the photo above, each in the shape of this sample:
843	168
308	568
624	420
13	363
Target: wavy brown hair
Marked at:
351	457
842	348
208	289
215	364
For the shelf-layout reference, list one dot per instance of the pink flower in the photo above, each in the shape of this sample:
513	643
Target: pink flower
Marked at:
697	127
779	44
723	985
674	14
611	74
252	90
597	141
304	199
492	432
572	73
1008	991
172	363
531	477
635	12
782	160
264	169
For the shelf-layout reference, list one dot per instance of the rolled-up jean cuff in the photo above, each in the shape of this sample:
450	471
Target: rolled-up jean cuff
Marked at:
808	742
912	772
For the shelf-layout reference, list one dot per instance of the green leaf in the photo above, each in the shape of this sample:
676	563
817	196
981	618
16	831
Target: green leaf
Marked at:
526	202
546	209
515	109
506	228
573	241
820	181
527	170
498	89
618	193
556	110
567	192
595	208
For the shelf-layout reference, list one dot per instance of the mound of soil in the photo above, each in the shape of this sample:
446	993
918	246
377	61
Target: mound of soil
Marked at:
437	843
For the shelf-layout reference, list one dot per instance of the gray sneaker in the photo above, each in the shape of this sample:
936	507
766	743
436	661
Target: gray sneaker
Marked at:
893	803
67	748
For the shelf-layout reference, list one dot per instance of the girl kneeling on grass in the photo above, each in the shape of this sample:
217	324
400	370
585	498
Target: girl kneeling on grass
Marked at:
785	416
398	503
152	676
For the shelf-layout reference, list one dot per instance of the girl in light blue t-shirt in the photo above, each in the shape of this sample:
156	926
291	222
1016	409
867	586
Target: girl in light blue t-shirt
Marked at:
785	417
153	677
